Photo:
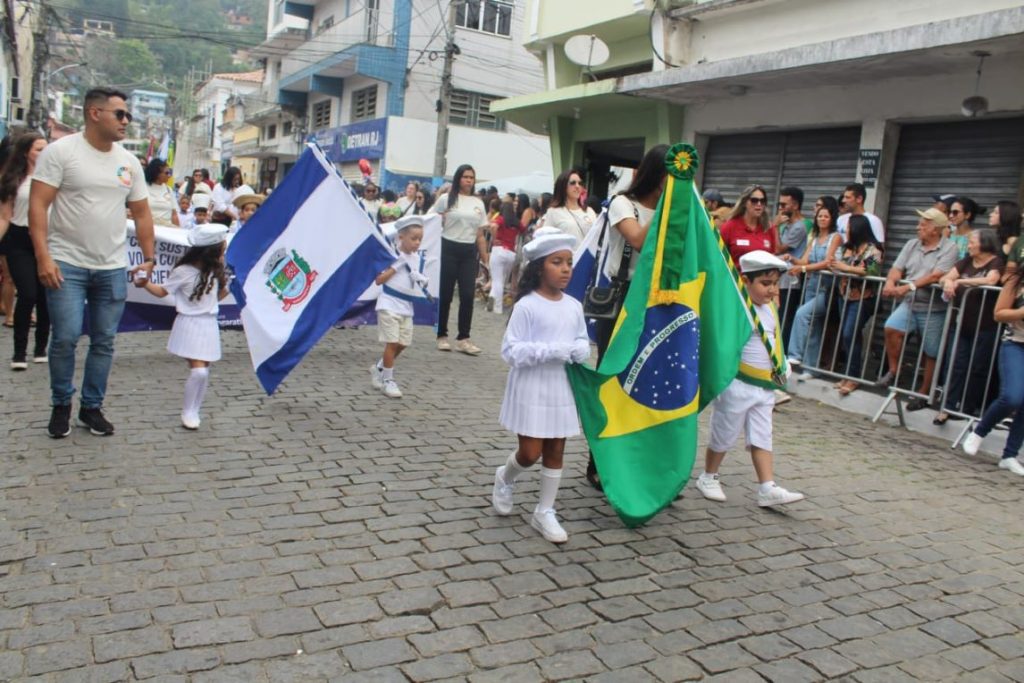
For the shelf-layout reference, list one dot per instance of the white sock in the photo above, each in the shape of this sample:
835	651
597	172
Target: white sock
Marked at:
380	365
513	469
707	475
765	487
195	390
387	373
549	481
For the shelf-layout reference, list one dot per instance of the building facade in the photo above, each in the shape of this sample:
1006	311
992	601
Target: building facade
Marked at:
813	93
199	144
363	80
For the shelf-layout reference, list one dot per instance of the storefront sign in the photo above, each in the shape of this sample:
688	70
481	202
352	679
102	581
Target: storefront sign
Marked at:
363	140
869	166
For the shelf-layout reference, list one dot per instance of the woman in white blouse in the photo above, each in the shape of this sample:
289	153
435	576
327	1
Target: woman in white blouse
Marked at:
566	211
463	248
161	196
231	187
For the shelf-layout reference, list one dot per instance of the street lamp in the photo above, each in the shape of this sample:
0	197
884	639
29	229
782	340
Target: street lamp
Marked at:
46	84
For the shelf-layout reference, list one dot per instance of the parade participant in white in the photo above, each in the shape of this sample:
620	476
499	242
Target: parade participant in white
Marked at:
748	401
403	283
546	331
197	283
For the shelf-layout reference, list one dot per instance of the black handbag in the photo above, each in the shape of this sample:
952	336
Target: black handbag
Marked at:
605	303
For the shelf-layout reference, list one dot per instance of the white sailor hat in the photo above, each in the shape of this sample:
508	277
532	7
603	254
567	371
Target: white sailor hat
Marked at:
547	241
201	200
757	261
408	222
207	234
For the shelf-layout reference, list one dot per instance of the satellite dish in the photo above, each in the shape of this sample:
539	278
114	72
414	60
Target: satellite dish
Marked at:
588	51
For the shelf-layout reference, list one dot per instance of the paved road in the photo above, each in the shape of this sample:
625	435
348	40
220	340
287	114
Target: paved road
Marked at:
330	533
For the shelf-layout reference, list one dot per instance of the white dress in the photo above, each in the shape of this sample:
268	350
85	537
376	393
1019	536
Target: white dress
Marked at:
542	335
195	333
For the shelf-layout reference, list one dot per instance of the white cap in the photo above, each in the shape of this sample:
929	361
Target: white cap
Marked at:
201	188
757	261
207	234
408	222
547	241
201	201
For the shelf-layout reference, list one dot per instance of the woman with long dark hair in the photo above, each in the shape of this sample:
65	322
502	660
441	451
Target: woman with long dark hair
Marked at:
6	286
567	212
230	188
15	182
506	228
463	249
862	257
808	326
629	219
1005	218
424	200
962	212
161	197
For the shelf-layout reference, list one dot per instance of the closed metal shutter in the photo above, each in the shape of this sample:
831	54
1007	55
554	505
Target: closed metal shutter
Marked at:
818	161
351	173
983	160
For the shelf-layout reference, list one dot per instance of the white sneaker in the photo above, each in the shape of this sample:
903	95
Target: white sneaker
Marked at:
190	421
547	524
41	359
1013	465
391	389
467	347
782	397
375	377
501	497
711	488
20	364
972	443
777	496
443	344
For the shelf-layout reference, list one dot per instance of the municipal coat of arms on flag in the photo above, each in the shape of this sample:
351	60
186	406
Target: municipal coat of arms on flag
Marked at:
300	263
675	346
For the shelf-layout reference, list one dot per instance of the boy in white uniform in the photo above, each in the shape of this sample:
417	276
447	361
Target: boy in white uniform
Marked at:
403	283
747	402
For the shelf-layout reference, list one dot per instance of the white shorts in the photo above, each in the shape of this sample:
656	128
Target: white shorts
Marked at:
742	406
393	328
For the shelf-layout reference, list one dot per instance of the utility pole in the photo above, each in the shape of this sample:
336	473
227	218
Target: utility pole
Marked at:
444	100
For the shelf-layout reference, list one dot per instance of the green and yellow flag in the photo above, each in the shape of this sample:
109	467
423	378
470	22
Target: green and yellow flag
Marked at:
676	346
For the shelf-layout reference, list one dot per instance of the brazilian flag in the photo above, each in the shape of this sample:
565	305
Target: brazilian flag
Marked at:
676	345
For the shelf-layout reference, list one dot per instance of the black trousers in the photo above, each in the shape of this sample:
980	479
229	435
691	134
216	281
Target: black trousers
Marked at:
603	332
21	261
459	265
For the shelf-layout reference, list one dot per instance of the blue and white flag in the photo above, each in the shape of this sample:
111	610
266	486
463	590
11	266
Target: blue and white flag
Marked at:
300	263
584	267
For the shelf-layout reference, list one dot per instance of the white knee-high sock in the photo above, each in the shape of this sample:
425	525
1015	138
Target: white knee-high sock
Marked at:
513	469
195	390
549	482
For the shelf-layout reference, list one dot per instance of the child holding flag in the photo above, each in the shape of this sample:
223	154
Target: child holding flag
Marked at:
748	401
403	283
545	331
197	282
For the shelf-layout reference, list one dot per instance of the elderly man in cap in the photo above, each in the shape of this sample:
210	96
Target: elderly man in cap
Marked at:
922	262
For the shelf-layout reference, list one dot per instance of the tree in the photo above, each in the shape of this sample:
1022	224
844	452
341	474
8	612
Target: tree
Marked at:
126	62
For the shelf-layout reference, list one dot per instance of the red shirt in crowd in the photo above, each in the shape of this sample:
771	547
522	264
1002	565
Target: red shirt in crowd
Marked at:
742	239
505	236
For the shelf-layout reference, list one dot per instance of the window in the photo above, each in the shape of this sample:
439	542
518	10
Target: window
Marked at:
364	104
489	16
372	20
272	131
286	128
474	109
325	24
322	115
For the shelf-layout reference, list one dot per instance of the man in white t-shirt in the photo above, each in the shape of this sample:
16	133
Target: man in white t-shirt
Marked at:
853	204
81	186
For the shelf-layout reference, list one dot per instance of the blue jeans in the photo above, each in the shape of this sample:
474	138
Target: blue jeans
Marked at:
854	319
102	293
808	326
1011	398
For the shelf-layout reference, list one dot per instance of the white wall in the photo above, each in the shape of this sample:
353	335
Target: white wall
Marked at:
410	149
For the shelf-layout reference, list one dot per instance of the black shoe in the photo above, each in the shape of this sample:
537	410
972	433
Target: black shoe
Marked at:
19	363
60	422
916	404
94	420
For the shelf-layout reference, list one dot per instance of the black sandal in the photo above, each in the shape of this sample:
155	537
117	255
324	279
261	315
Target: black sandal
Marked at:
916	404
593	477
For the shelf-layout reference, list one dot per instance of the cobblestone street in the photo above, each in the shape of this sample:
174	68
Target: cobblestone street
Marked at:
331	533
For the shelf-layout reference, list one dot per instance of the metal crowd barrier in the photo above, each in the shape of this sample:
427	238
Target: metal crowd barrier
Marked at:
834	359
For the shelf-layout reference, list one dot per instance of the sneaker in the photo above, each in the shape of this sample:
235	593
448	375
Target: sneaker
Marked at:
782	397
40	358
60	422
1012	464
19	363
972	442
189	421
443	344
778	496
467	347
375	377
794	363
94	420
547	524
711	488
501	497
886	379
391	389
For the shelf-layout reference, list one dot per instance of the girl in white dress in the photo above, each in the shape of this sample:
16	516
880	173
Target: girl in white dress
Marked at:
545	331
197	282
